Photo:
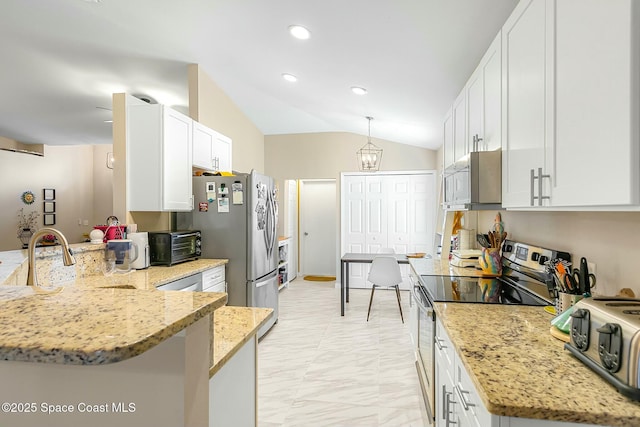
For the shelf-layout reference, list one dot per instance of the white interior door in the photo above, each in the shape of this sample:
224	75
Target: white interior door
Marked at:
318	227
393	210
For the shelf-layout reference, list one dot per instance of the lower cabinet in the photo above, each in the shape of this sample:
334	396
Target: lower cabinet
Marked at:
233	390
213	280
457	400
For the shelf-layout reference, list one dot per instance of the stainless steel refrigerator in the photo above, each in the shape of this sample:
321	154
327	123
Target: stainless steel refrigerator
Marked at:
238	218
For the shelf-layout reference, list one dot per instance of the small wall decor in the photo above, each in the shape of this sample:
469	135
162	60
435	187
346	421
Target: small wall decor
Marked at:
49	219
28	197
49	207
49	194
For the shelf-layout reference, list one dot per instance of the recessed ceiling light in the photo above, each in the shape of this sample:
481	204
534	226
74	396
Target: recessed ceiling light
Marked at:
299	32
358	90
289	77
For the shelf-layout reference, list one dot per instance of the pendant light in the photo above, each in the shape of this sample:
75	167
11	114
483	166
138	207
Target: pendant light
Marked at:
369	156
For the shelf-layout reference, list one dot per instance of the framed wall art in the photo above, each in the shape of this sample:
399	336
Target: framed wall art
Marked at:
49	194
49	207
49	219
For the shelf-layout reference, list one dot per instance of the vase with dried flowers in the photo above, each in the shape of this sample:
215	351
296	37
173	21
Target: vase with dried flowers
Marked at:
26	226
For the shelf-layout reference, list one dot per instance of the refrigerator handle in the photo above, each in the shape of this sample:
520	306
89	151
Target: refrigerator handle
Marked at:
273	225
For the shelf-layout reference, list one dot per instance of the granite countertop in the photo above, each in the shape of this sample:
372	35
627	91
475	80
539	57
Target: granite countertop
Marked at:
76	326
520	370
151	277
437	267
233	327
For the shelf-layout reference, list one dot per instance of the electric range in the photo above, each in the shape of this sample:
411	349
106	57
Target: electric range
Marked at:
524	280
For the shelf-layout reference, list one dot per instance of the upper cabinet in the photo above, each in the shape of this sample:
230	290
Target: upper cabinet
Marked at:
474	121
484	102
211	149
526	143
460	147
159	153
449	156
570	104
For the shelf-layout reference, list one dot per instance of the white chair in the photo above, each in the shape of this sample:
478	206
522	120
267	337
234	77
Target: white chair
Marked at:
385	272
387	251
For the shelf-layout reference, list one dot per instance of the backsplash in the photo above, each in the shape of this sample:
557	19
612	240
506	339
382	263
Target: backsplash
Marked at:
608	239
49	266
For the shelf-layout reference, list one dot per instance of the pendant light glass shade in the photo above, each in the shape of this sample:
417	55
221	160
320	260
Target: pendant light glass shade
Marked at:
369	156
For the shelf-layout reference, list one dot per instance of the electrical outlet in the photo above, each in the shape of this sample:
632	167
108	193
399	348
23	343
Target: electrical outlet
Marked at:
79	221
592	267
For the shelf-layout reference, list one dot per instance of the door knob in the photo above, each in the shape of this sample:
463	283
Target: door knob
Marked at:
306	234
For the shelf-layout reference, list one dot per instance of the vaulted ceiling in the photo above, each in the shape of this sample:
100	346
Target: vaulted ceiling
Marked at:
62	60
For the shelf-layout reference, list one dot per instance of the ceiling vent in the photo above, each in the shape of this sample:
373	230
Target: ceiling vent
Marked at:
7	144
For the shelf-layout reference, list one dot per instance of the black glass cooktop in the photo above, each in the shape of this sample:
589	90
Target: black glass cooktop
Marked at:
514	288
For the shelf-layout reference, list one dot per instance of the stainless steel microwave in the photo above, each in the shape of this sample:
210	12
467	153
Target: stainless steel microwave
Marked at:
474	183
172	247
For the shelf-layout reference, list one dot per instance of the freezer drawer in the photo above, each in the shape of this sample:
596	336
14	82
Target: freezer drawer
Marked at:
264	293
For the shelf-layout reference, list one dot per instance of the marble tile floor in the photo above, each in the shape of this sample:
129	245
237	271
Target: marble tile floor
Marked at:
317	368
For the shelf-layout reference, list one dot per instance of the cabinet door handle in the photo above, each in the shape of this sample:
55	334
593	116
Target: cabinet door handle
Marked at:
533	187
538	177
540	196
444	402
465	404
448	400
439	342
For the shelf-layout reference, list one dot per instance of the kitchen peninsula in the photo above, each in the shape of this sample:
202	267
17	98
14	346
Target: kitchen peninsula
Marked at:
106	351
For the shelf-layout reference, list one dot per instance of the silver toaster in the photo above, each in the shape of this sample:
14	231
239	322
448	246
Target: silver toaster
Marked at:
605	336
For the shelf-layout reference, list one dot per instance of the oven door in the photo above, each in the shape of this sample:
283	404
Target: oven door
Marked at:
426	347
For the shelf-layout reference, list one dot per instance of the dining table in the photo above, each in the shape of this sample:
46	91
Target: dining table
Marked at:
358	258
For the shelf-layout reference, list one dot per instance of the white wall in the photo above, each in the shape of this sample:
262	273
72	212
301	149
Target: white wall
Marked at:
609	239
326	155
75	175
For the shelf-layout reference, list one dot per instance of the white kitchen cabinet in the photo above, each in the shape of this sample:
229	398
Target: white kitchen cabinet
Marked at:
387	211
213	279
211	149
446	409
568	139
525	52
233	389
484	101
159	158
448	155
457	400
460	146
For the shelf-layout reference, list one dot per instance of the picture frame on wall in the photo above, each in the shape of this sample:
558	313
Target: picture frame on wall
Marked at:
49	194
49	219
49	207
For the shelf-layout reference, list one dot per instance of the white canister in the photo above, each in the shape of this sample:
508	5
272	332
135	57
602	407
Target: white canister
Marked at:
141	239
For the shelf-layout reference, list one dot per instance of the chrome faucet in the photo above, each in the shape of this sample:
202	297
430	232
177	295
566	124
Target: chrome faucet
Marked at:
67	257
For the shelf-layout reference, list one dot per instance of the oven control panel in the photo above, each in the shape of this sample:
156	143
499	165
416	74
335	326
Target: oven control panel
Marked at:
533	257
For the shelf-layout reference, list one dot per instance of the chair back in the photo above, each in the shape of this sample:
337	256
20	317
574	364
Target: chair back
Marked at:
387	251
385	271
